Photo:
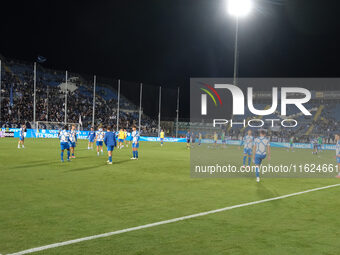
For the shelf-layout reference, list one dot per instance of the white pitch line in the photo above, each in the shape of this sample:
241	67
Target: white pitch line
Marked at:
55	245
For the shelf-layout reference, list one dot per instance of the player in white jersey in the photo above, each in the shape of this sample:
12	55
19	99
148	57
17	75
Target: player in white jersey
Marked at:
22	133
64	138
260	151
135	143
73	140
248	144
337	152
99	140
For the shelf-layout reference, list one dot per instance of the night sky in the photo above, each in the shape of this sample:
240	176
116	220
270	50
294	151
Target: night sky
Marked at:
165	42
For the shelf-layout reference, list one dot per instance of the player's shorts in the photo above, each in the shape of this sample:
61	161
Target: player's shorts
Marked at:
135	145
72	144
110	148
291	145
120	140
248	151
338	160
259	158
64	146
129	138
21	138
91	140
188	140
223	141
162	139
315	146
99	143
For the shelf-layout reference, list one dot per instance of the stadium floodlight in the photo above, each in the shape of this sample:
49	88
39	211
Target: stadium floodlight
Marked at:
239	8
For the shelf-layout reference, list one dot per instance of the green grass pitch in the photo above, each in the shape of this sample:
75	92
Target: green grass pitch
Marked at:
43	201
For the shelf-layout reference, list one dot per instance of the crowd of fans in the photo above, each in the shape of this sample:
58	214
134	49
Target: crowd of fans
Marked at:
18	97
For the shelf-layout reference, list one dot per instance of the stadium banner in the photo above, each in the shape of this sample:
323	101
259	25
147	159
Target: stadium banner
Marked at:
166	139
82	135
46	133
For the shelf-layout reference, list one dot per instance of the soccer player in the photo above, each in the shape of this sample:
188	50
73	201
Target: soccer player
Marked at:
125	138
64	138
161	136
91	136
337	152
320	143
110	142
223	140
260	151
188	136
120	138
193	138
135	143
315	146
99	140
291	144
73	139
215	138
199	138
248	143
22	136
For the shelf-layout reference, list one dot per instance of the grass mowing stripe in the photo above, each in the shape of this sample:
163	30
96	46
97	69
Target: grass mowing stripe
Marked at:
55	245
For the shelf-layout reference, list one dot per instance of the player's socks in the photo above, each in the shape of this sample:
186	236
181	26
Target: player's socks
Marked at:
136	154
62	156
110	158
257	172
244	160
98	153
23	146
68	155
249	161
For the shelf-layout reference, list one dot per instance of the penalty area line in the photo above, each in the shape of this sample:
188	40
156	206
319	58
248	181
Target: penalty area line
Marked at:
55	245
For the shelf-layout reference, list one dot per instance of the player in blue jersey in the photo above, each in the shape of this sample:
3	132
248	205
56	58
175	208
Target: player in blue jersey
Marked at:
73	140
135	143
188	137
91	136
248	144
260	151
337	152
100	139
22	132
110	142
64	138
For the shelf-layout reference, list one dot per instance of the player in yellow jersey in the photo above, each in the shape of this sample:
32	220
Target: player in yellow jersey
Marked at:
121	136
161	136
215	138
125	138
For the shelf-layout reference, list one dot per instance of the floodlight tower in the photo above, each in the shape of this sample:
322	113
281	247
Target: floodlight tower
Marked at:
238	9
